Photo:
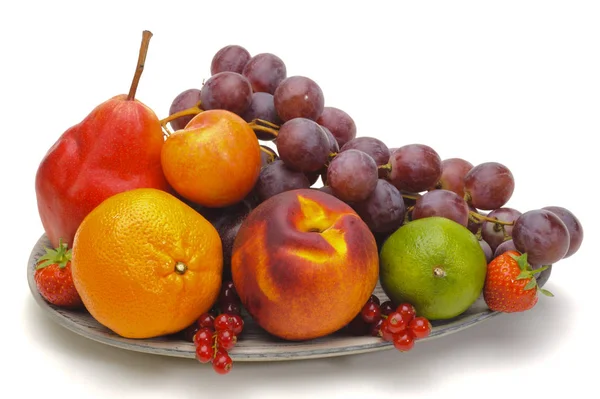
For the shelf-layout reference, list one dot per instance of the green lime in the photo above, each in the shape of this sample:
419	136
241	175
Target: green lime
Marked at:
435	264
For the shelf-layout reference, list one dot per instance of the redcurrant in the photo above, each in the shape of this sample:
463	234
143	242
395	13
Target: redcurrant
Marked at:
374	299
420	327
404	341
385	333
376	328
231	308
396	323
204	335
206	320
237	323
407	311
370	312
226	339
204	352
222	363
386	308
222	322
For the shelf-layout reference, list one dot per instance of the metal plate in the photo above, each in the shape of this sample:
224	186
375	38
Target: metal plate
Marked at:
255	344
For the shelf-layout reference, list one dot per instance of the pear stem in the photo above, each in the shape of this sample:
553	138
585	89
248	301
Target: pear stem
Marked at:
146	35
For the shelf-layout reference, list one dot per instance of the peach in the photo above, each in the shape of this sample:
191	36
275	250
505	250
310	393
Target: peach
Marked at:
304	264
213	144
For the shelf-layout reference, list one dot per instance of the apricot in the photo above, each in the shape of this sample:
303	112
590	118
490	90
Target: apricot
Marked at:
214	161
304	264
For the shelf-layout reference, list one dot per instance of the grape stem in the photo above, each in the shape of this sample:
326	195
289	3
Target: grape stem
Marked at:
195	110
477	218
411	196
387	167
271	128
146	35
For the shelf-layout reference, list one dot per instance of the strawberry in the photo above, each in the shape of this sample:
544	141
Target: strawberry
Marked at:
510	283
54	280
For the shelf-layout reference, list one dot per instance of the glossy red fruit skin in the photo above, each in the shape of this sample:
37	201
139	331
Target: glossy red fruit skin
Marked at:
203	335
56	286
404	341
222	363
396	323
116	148
206	320
236	323
407	311
502	291
204	352
226	339
370	312
222	322
420	327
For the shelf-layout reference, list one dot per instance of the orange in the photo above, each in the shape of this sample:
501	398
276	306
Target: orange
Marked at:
146	264
214	161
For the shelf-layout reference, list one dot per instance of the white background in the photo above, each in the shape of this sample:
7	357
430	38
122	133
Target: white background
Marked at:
516	82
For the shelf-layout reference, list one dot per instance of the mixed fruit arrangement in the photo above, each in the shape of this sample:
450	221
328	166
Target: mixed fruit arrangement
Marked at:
174	226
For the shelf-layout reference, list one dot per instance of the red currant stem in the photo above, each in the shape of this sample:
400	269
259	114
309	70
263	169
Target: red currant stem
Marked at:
270	130
482	218
214	345
195	110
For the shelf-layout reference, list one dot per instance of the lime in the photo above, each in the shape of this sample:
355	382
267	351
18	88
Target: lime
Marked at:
435	264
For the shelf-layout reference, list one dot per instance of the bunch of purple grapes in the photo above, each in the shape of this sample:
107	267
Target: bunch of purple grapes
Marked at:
387	187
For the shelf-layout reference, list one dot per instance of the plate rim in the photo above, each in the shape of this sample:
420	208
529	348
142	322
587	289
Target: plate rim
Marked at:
183	349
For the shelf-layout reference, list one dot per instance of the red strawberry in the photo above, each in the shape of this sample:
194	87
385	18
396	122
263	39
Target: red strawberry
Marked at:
510	283
54	280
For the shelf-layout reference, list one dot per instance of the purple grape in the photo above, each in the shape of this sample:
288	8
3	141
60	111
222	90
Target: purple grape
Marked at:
352	176
573	225
506	246
340	124
453	175
227	222
299	97
276	178
496	233
230	58
489	254
443	203
265	71
184	100
262	107
371	146
542	235
303	145
415	168
489	186
334	147
383	210
226	90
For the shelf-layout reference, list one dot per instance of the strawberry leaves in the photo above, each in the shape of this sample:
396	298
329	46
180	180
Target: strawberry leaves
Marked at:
60	256
527	272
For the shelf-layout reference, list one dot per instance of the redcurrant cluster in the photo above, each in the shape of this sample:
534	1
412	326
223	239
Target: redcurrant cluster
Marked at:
396	324
215	338
216	332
